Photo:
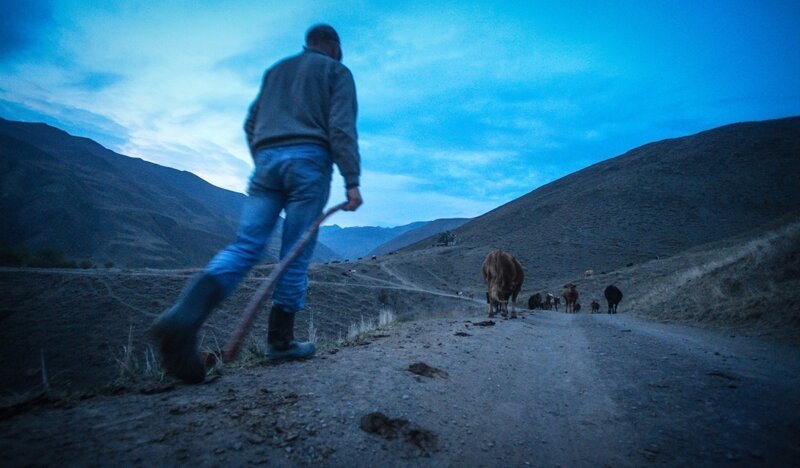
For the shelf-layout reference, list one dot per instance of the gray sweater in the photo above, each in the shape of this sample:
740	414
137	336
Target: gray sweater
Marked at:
308	98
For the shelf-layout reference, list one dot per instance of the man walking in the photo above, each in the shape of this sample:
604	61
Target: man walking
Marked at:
301	123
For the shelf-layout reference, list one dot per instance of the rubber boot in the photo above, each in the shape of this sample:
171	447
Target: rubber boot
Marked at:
280	337
175	331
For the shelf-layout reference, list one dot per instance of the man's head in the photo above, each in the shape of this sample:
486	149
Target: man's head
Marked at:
324	38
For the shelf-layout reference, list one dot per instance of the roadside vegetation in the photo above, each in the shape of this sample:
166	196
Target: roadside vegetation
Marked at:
45	257
755	282
137	367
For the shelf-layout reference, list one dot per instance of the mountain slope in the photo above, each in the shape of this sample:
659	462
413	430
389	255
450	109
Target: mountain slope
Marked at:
354	242
425	231
73	194
653	201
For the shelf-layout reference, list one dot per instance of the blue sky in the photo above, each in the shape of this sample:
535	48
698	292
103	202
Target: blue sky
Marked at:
463	105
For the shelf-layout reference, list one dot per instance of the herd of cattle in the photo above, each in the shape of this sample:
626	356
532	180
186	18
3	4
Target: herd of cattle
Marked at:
503	275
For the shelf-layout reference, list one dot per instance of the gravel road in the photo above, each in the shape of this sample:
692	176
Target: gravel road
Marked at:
549	389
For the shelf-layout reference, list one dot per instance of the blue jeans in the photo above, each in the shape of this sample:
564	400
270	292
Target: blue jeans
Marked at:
292	178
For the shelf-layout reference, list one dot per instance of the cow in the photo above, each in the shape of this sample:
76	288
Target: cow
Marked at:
535	301
548	302
613	296
504	276
588	273
576	307
595	306
570	294
556	302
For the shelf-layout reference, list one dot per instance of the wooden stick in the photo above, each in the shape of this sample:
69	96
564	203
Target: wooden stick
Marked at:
262	294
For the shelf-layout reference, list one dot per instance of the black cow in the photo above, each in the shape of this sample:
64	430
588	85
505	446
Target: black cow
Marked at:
613	296
535	301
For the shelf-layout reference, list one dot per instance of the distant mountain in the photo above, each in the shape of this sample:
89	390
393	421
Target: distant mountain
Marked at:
429	229
653	201
70	193
354	242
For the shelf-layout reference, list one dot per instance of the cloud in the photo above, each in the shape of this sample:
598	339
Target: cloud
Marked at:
447	55
466	174
19	24
97	81
392	200
201	157
78	122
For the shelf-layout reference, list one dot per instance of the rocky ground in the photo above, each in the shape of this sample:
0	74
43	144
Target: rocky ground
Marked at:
547	389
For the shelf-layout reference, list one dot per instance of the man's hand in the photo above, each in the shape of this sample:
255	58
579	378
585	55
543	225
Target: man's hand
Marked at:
354	199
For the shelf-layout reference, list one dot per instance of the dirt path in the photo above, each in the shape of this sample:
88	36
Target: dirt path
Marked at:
548	389
411	286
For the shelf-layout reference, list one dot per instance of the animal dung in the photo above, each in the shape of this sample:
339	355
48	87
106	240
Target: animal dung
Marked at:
382	425
422	441
485	323
420	368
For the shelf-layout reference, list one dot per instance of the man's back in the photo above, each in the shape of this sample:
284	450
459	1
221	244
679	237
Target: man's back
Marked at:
307	98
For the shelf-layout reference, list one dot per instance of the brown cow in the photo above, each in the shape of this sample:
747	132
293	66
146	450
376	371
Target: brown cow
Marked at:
570	294
595	306
504	276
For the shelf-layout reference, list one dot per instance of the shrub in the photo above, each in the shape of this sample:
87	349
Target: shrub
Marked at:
50	257
13	256
446	238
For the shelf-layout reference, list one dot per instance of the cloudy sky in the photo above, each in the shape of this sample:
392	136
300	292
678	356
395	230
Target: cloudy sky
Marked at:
463	105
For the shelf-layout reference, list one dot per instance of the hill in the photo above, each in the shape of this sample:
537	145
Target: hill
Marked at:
71	193
432	228
747	281
651	202
353	242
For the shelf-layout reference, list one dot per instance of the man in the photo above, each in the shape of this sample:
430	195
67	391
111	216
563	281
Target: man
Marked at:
302	121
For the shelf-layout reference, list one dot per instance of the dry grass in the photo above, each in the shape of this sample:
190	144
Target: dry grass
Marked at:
358	331
753	282
312	330
132	370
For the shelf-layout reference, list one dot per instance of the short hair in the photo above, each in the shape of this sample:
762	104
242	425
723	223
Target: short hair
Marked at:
322	33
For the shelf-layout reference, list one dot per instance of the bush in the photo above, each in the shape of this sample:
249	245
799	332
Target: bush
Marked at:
446	238
13	256
50	257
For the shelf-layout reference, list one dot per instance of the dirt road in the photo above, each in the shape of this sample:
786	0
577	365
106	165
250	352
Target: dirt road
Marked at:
548	389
